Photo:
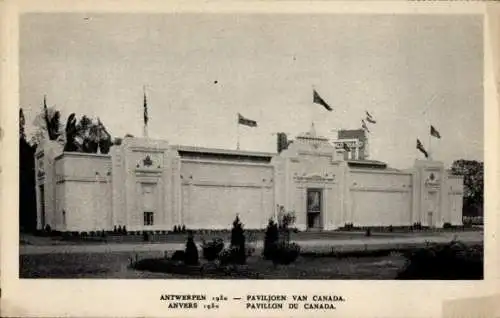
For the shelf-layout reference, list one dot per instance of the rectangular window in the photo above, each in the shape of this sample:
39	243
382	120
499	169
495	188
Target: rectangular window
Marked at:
314	200
148	218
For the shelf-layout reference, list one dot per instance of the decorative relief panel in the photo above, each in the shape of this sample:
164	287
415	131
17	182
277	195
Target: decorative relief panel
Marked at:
148	161
432	180
315	177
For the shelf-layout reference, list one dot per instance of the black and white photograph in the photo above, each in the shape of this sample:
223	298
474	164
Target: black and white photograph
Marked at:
251	146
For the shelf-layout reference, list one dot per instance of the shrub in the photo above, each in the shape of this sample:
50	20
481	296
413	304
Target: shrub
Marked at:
183	229
286	220
212	249
270	239
249	251
124	230
238	241
230	256
178	256
348	226
191	252
447	225
47	229
451	261
285	253
119	230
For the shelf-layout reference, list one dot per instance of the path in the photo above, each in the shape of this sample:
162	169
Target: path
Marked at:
366	243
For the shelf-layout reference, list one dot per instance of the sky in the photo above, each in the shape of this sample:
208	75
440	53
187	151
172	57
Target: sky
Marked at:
201	70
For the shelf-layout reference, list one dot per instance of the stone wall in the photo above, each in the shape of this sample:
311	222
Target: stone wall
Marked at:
380	198
214	192
84	192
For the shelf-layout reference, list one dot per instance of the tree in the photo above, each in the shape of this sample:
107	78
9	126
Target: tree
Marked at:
27	198
86	135
271	239
22	122
47	124
238	241
473	174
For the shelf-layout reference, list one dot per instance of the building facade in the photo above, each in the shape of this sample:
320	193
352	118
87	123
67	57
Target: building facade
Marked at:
146	184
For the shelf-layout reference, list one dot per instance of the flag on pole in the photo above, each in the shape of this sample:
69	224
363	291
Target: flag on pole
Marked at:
318	100
421	148
435	133
245	121
369	118
146	118
363	125
346	147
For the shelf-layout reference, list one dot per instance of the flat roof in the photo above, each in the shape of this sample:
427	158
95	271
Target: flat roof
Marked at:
367	164
223	154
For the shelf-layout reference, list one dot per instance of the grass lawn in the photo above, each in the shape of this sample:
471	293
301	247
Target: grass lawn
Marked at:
115	265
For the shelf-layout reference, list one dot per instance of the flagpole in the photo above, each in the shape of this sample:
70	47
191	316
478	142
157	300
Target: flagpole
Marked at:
145	115
238	132
430	147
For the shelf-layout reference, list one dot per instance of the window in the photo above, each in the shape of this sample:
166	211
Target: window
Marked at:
148	218
313	200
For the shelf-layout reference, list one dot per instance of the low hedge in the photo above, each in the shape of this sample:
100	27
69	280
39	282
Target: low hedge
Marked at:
451	261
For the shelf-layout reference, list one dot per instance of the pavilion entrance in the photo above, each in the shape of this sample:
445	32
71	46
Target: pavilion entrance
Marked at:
314	208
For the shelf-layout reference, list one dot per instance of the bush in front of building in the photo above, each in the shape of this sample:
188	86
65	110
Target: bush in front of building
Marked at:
211	250
285	253
270	239
417	226
282	251
178	256
47	230
447	225
191	251
454	260
238	242
145	236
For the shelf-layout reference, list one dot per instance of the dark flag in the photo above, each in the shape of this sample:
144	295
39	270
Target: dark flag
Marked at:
282	142
245	121
363	125
346	147
370	119
318	100
435	133
421	148
146	118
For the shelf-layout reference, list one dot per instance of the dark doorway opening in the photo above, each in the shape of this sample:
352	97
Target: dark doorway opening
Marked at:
314	208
